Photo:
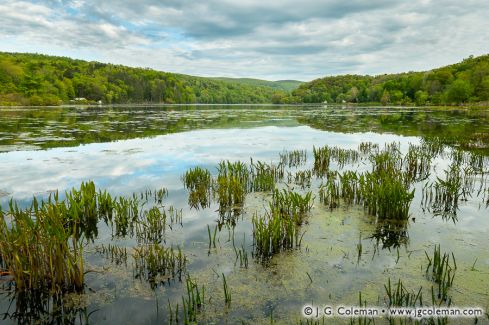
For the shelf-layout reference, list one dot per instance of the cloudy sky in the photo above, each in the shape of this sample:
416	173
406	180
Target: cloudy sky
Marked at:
272	40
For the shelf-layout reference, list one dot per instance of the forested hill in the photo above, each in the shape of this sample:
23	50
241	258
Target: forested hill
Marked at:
34	79
285	85
467	81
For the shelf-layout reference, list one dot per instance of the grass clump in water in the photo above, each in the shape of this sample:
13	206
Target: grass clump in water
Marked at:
294	158
231	185
441	271
273	233
40	250
291	204
199	183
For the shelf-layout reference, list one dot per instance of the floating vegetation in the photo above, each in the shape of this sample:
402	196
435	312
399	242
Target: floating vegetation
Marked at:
294	158
273	233
39	250
441	271
199	183
157	264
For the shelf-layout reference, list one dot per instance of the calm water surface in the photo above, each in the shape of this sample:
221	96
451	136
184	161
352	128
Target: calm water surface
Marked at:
132	149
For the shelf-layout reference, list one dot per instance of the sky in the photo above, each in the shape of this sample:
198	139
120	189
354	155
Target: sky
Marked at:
272	40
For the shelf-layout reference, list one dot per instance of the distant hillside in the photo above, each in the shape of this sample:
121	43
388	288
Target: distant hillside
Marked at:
464	82
285	85
34	79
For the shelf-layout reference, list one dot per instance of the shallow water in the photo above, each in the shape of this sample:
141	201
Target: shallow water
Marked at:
129	150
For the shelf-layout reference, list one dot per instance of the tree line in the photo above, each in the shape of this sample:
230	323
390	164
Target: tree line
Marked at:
464	82
35	79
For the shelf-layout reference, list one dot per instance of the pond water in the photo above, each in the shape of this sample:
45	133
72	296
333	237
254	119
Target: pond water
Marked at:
127	150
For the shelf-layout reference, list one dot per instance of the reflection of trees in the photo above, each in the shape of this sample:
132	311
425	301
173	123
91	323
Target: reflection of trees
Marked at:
468	129
391	234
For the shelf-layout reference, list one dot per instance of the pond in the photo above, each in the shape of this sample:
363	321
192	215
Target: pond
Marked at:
346	241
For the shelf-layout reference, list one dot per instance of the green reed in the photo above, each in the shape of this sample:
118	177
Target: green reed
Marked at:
264	176
155	263
82	210
294	158
399	296
227	292
441	271
273	233
152	226
199	182
291	204
417	163
39	249
231	184
303	178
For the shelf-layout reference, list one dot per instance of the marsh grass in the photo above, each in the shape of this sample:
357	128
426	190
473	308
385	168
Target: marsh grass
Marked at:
273	233
40	250
441	270
303	178
198	181
231	185
294	158
291	204
263	177
399	296
227	292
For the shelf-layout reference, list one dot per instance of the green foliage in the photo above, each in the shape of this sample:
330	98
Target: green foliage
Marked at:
33	79
467	81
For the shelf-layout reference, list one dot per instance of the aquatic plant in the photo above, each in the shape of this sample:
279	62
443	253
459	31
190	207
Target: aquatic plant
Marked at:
294	158
152	226
291	204
303	178
264	176
399	296
441	271
273	233
231	184
199	183
39	250
227	292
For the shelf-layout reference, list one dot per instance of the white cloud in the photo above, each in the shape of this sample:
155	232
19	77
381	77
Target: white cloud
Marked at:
265	39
